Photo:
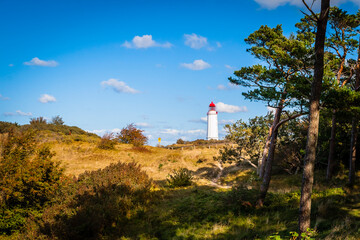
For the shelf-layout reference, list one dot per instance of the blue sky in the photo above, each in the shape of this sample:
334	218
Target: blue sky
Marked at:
101	65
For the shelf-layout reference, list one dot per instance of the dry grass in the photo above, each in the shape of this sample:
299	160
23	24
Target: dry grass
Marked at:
78	157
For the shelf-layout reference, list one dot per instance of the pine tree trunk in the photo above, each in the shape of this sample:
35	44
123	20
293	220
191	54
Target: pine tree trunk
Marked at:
331	164
262	163
268	166
354	133
354	130
313	130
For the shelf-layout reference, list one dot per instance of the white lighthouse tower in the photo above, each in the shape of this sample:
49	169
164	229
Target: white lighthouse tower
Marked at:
212	123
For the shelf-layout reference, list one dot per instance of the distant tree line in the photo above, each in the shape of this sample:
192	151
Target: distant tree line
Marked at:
40	123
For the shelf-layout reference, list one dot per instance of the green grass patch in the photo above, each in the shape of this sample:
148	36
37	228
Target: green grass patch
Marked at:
200	212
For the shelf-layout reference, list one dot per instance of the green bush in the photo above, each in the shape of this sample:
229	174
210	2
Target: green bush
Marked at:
241	199
180	178
107	142
57	120
180	141
97	205
40	123
6	127
28	179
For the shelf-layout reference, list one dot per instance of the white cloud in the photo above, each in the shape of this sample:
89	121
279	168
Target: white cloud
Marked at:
195	41
145	41
23	113
185	134
196	132
226	108
43	63
18	113
223	121
203	119
127	44
272	4
116	130
143	124
221	87
170	131
118	86
45	98
4	98
199	120
101	132
229	67
229	86
196	65
11	65
218	44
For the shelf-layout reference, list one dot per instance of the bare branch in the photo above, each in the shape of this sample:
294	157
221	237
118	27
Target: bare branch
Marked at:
248	161
336	50
288	119
310	10
309	16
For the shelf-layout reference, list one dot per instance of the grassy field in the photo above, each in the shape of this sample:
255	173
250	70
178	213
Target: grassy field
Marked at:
208	210
80	156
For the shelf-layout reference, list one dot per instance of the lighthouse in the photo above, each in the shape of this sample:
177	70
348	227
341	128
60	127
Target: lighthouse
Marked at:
212	123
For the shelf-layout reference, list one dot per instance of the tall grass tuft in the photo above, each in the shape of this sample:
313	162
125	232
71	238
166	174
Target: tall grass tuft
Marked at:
180	178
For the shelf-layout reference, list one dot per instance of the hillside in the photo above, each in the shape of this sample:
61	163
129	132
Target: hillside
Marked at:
105	200
210	209
80	153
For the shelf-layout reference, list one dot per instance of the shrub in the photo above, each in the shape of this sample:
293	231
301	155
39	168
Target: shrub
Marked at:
57	120
240	199
97	205
180	178
132	135
140	149
37	121
67	130
28	179
107	142
180	141
6	127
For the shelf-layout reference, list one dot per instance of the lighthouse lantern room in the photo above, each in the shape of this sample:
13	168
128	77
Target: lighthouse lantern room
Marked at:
212	123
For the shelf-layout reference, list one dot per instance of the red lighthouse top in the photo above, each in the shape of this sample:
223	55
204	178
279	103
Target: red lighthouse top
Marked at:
212	104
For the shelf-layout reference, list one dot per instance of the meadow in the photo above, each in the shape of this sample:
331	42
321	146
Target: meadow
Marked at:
219	204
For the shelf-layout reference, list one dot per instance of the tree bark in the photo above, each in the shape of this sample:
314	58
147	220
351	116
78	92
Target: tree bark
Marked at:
268	165
262	162
267	175
313	130
331	164
354	133
354	128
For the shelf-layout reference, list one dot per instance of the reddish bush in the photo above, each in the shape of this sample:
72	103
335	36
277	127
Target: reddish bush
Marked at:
132	135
